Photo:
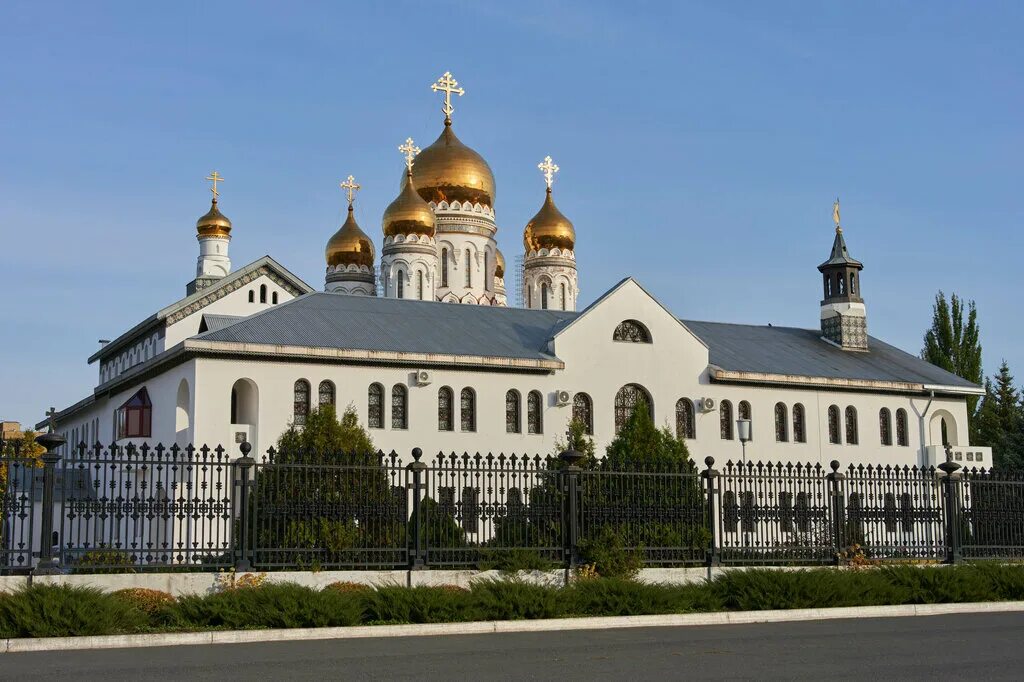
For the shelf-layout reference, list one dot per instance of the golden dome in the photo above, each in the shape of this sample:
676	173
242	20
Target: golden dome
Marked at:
408	213
549	229
350	245
499	264
214	223
450	171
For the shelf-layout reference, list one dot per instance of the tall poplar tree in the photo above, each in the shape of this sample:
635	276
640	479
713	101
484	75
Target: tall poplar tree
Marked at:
953	344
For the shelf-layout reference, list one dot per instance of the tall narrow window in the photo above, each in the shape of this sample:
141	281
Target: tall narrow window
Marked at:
583	412
445	398
529	297
273	298
781	423
544	295
631	331
444	267
263	293
252	296
399	407
469	268
301	402
851	425
467	405
833	425
326	393
400	284
799	424
944	429
419	284
375	407
563	295
725	420
743	412
626	401
902	438
512	416
885	426
685	419
534	418
488	278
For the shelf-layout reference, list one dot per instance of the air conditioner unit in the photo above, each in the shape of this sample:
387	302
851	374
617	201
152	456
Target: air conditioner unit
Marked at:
562	398
423	377
706	404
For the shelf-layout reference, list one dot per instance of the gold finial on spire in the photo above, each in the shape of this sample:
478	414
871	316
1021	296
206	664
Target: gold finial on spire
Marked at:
548	168
835	215
351	187
448	86
409	151
214	178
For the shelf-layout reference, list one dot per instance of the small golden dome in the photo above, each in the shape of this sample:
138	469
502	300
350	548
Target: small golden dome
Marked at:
408	213
499	264
214	223
350	245
549	229
450	171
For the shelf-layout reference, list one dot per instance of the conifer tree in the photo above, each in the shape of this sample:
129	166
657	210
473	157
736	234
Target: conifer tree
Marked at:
1000	420
954	345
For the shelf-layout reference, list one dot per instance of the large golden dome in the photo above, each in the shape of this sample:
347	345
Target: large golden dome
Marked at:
214	223
350	245
499	264
408	213
549	229
450	171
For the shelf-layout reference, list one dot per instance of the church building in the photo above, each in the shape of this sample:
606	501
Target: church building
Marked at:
424	345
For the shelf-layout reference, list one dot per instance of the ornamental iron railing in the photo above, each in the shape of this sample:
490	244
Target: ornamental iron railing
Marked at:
140	508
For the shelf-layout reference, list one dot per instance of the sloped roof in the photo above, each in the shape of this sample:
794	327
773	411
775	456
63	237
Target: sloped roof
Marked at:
802	352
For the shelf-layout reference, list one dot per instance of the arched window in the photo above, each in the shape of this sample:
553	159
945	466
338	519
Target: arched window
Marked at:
529	297
685	419
301	403
513	424
445	418
743	412
544	295
885	426
725	420
444	267
631	331
469	268
252	296
326	393
626	401
273	298
853	285
583	412
799	424
399	407
902	438
467	405
263	293
781	423
375	407
534	418
851	425
488	278
419	284
833	425
400	284
563	295
828	287
842	284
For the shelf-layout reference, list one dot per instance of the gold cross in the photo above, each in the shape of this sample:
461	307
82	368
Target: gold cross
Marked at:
448	85
409	151
351	187
548	168
215	177
835	215
51	416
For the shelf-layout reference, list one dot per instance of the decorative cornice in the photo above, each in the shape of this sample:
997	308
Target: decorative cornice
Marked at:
220	292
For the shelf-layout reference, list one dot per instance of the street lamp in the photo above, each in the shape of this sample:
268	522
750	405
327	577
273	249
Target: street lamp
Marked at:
743	431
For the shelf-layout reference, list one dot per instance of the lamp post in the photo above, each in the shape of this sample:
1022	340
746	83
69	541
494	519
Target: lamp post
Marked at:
743	431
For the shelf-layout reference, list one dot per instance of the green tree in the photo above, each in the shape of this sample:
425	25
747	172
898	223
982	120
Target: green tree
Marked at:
954	345
999	421
641	445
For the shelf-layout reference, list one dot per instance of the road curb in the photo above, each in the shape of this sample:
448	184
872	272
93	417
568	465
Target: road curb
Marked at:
493	627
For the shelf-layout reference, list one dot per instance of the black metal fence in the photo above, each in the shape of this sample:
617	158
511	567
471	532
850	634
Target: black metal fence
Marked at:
127	508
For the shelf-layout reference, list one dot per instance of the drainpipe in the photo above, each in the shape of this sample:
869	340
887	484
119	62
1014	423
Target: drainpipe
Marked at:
921	416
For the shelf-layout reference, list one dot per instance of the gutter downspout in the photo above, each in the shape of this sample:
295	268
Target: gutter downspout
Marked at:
921	416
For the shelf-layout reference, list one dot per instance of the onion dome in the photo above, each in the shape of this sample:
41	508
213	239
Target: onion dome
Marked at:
450	171
408	213
549	229
214	223
499	264
350	245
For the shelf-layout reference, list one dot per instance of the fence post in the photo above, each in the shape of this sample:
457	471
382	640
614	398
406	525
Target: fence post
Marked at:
837	507
416	468
51	441
951	506
570	513
243	470
710	475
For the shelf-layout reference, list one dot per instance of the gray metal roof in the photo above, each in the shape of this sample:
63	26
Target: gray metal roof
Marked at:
322	320
212	323
801	352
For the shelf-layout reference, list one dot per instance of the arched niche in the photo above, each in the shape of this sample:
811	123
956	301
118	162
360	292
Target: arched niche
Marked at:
942	429
183	415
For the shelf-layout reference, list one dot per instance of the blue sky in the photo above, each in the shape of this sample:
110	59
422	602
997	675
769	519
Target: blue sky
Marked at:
701	147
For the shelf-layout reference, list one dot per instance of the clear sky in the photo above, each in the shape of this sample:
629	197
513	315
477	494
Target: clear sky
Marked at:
701	147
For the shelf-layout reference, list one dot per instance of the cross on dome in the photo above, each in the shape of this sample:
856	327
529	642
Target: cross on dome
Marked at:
548	168
409	151
214	178
448	86
351	187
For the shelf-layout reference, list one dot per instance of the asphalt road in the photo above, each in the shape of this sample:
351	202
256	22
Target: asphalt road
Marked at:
975	646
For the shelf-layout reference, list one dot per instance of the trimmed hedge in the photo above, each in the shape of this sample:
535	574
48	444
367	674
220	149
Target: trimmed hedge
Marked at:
52	611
